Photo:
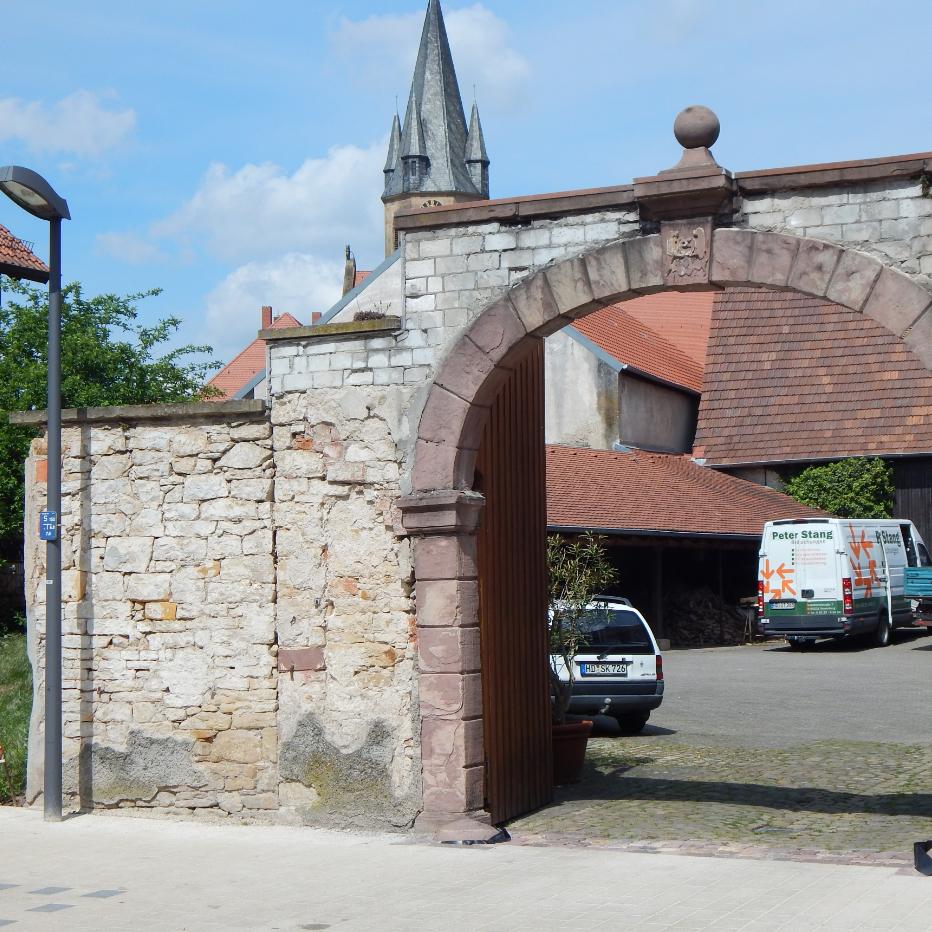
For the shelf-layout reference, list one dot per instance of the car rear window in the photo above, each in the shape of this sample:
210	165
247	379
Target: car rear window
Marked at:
614	630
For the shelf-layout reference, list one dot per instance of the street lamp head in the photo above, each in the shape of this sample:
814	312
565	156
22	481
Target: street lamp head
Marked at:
33	193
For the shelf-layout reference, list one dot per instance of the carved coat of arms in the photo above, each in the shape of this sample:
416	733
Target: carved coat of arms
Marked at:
687	253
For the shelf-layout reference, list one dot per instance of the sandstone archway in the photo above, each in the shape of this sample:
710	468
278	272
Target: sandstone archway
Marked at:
442	513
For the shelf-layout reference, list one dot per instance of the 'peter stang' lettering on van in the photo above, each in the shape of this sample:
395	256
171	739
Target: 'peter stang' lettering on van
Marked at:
803	535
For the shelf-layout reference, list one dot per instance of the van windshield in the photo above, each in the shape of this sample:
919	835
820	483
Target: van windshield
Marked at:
614	630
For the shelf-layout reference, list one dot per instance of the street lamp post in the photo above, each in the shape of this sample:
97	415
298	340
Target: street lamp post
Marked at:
35	195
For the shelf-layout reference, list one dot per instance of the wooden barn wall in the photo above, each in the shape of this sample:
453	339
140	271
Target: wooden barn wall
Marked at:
511	473
912	479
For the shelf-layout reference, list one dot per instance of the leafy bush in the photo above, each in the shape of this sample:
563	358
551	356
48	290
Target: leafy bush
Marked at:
98	368
860	487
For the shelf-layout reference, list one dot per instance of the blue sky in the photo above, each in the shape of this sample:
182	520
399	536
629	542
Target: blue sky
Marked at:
226	151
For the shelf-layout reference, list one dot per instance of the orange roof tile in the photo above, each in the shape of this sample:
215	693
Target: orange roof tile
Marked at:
682	318
241	370
633	343
659	493
360	278
18	261
794	378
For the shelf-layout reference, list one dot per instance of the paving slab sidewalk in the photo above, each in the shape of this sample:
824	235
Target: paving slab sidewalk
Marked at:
109	873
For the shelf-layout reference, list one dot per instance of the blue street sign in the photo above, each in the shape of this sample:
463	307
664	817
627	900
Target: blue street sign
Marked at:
48	525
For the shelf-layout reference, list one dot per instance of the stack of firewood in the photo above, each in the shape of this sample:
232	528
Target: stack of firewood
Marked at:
699	618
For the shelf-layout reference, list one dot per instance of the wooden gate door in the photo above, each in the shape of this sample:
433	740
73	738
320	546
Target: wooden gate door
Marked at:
511	473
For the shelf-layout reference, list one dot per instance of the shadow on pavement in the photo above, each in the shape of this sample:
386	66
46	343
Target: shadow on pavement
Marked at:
604	726
615	785
853	645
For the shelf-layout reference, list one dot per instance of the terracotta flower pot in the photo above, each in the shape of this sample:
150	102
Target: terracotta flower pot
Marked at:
569	751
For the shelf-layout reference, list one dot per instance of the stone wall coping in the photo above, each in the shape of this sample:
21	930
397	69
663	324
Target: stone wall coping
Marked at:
516	209
760	181
351	328
162	412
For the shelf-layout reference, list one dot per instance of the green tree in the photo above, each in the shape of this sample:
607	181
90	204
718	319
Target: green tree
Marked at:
860	487
579	570
108	358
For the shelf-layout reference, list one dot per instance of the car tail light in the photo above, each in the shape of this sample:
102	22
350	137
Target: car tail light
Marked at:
848	596
659	669
760	597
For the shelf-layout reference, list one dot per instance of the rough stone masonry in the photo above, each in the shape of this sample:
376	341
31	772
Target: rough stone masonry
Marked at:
202	545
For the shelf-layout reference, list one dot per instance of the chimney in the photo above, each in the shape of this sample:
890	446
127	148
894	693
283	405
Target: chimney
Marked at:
349	272
315	317
266	317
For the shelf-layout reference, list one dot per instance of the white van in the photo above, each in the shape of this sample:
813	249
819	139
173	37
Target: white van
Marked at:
835	578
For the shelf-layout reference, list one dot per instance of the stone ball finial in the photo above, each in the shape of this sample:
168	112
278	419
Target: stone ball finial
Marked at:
696	128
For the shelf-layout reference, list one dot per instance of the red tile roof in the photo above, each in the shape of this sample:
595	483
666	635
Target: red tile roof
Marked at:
790	377
360	278
655	492
240	371
18	260
635	344
682	318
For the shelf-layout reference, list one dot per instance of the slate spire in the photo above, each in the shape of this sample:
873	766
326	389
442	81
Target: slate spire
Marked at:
394	147
477	158
435	132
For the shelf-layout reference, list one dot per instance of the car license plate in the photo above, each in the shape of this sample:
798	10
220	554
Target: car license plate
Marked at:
604	669
786	603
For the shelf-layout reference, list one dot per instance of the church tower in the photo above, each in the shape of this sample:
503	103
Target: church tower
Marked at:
434	158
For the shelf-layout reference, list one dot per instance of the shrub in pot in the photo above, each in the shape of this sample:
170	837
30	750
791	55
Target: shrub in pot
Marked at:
578	571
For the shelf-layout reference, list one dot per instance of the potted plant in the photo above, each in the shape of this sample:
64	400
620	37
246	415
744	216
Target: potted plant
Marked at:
578	571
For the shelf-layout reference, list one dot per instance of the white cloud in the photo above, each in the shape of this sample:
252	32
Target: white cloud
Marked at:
260	211
79	124
128	247
384	49
296	283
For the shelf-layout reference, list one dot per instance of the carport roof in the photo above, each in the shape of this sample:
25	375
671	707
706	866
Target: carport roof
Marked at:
657	494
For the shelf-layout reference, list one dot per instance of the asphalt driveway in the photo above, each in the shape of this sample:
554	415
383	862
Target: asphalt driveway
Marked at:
771	696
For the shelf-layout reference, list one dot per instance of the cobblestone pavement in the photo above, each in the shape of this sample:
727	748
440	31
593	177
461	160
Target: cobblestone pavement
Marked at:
715	777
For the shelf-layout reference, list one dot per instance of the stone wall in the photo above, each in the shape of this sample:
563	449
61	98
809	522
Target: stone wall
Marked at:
890	220
349	729
198	549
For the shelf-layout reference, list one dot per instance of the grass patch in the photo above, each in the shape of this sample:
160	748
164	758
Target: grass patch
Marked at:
15	707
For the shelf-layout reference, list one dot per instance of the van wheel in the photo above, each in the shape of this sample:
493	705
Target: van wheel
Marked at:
884	633
632	724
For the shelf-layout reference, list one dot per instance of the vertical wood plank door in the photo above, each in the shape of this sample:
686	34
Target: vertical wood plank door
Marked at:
511	473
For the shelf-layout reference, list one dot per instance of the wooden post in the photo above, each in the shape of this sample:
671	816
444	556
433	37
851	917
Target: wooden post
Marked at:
658	621
721	599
